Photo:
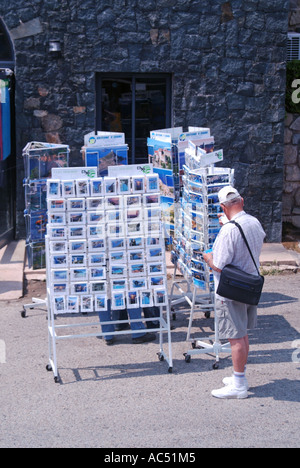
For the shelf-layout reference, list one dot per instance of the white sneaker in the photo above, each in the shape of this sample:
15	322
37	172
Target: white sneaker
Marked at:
229	381
230	392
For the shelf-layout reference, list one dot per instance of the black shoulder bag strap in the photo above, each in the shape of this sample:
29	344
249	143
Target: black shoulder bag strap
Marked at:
246	242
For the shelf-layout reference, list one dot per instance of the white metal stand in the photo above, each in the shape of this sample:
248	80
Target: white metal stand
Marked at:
36	304
200	302
212	345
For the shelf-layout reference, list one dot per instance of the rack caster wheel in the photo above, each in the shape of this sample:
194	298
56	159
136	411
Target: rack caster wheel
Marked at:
160	357
48	368
207	315
215	366
56	379
187	358
170	370
23	313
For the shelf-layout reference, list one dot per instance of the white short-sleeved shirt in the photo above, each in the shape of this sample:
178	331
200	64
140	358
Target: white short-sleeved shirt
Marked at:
230	247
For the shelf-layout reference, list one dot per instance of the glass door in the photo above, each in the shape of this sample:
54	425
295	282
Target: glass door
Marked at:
134	105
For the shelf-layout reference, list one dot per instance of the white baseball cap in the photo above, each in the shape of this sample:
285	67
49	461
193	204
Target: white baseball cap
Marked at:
227	194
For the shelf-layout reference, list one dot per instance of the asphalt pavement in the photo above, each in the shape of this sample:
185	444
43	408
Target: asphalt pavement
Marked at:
122	396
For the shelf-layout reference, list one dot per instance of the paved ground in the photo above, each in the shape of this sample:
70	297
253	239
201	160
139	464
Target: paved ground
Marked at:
122	396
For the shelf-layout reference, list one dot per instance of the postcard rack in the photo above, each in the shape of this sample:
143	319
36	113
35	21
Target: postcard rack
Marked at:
197	226
104	243
39	160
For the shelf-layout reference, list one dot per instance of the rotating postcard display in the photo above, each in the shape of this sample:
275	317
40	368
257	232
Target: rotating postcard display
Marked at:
39	159
105	242
104	149
197	222
166	151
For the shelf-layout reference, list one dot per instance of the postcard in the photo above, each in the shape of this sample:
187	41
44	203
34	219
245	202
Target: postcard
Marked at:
154	241
53	188
96	187
96	259
138	184
59	260
78	232
96	231
59	275
78	274
151	200
124	185
135	242
118	256
100	302
56	205
132	201
110	185
97	273
98	286
116	243
82	188
134	214
77	260
73	304
68	188
160	297
77	246
137	269
57	233
118	271
134	228
87	303
95	217
58	246
115	202
97	245
152	227
152	183
132	299
60	288
138	283
57	219
115	229
146	298
76	204
118	300
79	288
136	256
154	253
76	217
119	284
59	305
155	268
95	204
114	216
156	281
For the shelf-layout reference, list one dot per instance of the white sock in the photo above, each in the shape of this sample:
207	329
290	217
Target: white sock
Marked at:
239	379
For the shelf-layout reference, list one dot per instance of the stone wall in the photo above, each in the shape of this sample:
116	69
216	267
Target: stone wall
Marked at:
291	197
227	60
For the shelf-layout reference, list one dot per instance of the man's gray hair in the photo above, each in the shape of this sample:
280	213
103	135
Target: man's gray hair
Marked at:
234	201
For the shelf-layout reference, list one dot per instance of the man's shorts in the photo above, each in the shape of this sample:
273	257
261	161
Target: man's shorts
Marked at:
235	319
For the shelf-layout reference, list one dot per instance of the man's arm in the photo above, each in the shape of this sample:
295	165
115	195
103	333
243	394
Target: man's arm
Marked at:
208	258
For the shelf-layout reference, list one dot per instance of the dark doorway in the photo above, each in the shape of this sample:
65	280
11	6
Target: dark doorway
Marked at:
133	104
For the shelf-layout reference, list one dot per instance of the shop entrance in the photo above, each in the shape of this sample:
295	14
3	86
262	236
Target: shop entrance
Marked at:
133	104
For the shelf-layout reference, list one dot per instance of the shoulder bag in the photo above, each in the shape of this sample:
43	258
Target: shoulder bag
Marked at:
239	286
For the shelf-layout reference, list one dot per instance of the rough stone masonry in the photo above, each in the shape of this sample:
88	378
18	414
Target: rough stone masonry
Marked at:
227	61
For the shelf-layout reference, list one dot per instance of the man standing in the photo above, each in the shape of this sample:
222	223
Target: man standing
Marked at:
234	317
